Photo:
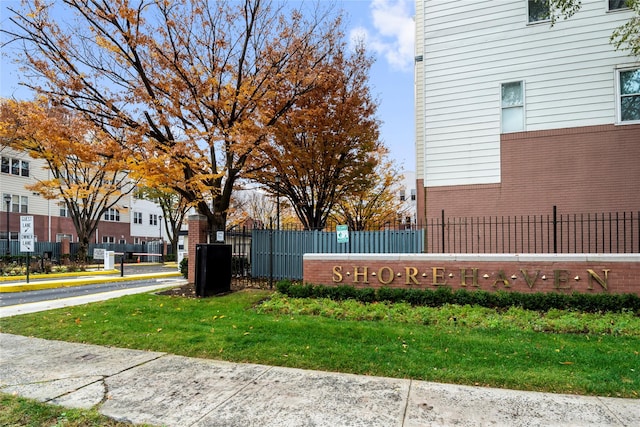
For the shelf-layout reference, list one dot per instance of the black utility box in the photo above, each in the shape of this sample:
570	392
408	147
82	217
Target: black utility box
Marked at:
213	269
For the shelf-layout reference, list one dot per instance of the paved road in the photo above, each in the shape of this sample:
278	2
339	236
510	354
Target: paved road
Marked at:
26	297
53	291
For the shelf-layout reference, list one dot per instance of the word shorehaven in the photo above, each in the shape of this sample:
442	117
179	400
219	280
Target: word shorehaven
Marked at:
561	279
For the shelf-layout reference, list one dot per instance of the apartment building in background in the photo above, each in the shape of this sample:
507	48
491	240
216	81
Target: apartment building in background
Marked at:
408	200
131	221
515	116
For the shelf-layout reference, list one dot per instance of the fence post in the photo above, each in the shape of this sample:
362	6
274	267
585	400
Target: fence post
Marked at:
271	253
442	231
555	230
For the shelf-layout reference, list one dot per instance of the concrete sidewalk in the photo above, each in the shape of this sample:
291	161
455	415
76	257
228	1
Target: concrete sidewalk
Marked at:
167	390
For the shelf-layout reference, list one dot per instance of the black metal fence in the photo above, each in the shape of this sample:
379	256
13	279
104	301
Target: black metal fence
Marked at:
612	232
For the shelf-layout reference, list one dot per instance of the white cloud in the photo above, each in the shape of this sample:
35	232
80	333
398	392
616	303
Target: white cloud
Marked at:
392	36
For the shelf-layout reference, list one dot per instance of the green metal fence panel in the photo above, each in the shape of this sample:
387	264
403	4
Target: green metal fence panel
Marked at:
278	254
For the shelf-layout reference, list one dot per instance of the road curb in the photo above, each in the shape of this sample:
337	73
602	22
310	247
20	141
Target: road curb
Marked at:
35	286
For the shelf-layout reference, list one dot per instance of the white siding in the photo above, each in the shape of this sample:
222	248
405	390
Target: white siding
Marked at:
471	47
419	90
146	230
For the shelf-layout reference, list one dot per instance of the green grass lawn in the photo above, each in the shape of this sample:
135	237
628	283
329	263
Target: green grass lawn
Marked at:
462	345
19	412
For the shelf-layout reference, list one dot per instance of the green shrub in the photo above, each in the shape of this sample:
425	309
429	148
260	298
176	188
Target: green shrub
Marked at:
283	286
503	300
184	267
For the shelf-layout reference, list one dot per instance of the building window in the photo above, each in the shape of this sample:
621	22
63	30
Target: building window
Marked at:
413	194
402	197
108	239
14	166
137	217
63	209
61	236
25	168
538	10
618	4
512	107
112	215
629	95
153	219
13	235
19	204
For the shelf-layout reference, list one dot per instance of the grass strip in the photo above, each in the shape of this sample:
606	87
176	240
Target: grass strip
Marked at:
236	328
17	411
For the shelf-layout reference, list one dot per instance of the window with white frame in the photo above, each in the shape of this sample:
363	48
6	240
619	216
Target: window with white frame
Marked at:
64	211
538	11
108	239
629	93
14	166
413	194
402	196
512	104
19	204
112	215
60	236
13	235
618	4
153	219
137	217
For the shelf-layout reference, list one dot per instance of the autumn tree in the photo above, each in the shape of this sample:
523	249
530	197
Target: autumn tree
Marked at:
174	208
88	171
325	147
375	205
252	205
196	86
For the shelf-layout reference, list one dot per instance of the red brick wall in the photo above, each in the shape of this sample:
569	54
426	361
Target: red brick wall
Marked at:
518	273
198	231
580	170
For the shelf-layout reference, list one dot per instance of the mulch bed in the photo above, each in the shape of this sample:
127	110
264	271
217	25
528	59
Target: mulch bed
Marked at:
189	290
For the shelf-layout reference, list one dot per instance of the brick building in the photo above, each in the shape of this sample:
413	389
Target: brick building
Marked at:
514	115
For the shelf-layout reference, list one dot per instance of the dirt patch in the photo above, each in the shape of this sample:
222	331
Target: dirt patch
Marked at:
186	291
189	290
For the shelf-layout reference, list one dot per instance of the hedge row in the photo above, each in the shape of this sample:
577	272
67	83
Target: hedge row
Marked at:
590	303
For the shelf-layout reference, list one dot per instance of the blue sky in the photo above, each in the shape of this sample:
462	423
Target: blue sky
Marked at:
388	30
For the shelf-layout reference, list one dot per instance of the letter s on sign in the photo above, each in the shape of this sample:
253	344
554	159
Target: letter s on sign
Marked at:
337	273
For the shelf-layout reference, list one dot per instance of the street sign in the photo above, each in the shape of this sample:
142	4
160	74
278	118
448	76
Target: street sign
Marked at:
98	253
26	243
26	224
342	232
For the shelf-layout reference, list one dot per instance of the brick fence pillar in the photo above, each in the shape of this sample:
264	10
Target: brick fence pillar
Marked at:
198	232
65	247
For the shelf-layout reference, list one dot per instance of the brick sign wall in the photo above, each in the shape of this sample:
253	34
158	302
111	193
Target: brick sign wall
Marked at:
618	273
